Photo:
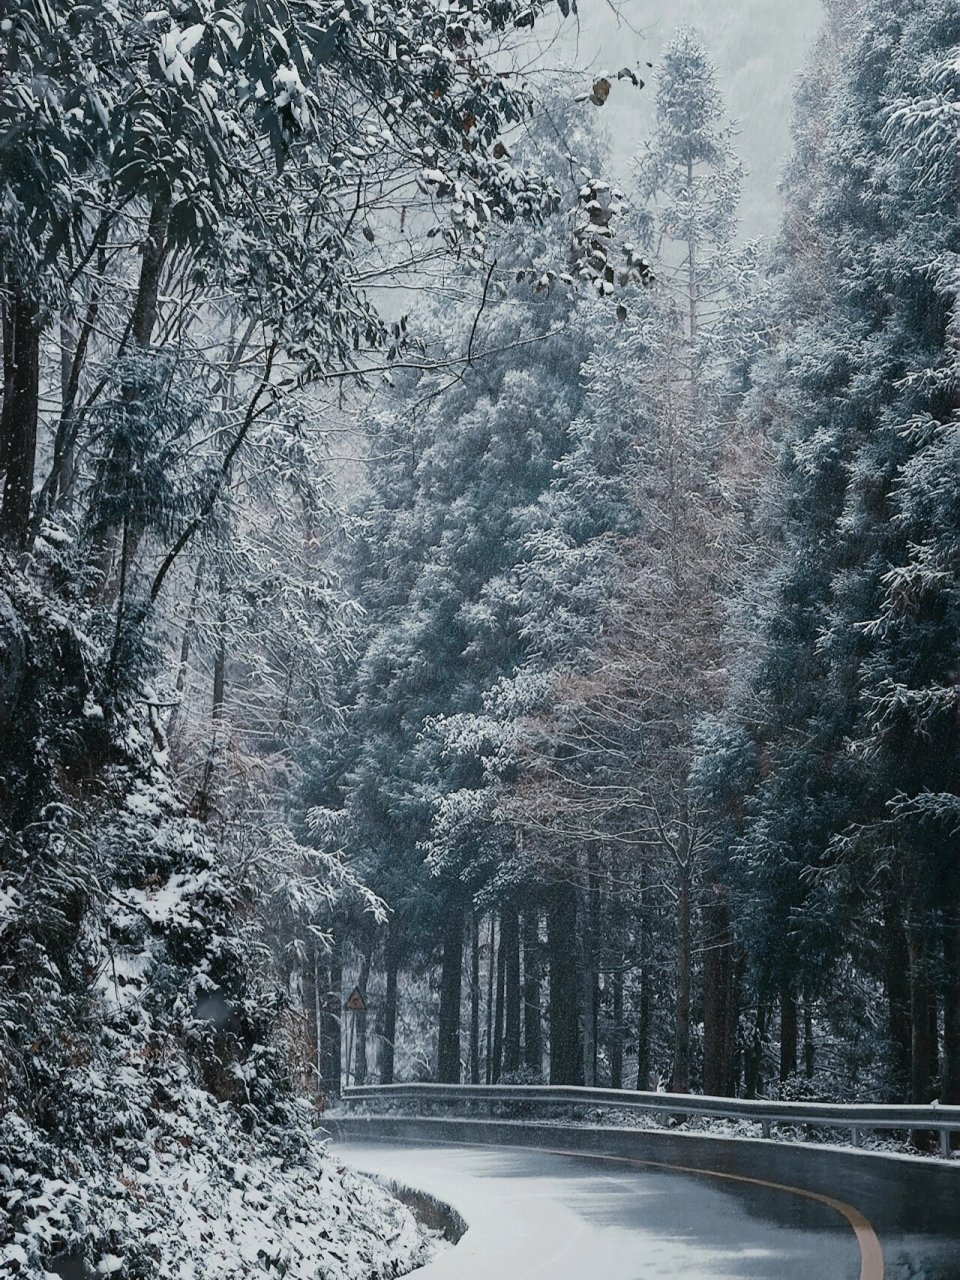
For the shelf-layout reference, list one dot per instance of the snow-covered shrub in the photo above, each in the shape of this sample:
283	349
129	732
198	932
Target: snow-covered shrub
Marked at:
148	1126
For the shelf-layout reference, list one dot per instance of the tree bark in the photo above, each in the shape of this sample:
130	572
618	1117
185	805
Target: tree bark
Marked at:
789	1033
183	667
681	1052
451	982
388	1027
360	1017
588	972
491	967
19	414
566	1064
203	803
153	253
532	1015
63	466
934	1031
512	996
143	319
496	1069
921	1048
310	1011
951	1009
474	999
331	1025
809	1047
753	1066
718	997
645	1009
616	1035
896	980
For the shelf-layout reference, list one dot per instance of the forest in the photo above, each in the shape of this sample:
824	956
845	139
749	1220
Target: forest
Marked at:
443	562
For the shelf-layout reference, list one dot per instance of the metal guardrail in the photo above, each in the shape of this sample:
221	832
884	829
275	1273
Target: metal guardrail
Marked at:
858	1118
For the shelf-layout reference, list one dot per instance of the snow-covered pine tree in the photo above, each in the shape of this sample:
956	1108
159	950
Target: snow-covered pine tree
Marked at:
644	537
848	829
456	469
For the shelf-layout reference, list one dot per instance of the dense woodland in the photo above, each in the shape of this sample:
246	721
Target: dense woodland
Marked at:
647	738
437	564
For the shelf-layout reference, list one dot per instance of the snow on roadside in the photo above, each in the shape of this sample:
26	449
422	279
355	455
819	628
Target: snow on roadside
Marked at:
195	1198
721	1127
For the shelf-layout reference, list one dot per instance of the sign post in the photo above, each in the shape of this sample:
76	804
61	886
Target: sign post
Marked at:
353	1005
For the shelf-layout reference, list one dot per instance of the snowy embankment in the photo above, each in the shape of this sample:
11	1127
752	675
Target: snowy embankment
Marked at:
152	1175
211	1207
149	1127
149	1174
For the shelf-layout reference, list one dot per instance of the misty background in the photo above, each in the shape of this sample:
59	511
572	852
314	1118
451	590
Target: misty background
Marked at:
758	47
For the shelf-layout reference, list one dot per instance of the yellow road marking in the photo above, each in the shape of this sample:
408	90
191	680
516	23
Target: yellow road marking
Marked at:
871	1254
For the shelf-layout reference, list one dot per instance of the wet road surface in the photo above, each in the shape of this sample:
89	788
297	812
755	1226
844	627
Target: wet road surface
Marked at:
571	1217
602	1203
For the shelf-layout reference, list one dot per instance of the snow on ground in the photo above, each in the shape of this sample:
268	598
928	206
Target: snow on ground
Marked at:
720	1127
197	1199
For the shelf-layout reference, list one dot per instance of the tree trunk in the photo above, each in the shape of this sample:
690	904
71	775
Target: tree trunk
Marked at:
497	1057
594	916
588	972
153	254
738	965
66	463
183	667
474	999
143	319
565	1060
532	1026
645	1009
388	1028
645	1071
753	1066
58	485
331	1025
809	1048
896	980
921	1048
934	1031
451	982
789	1033
19	414
512	997
681	1052
360	1017
718	997
311	1021
950	1094
616	1035
203	803
491	967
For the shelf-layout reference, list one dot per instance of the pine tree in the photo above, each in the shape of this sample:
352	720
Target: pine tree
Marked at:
641	534
846	825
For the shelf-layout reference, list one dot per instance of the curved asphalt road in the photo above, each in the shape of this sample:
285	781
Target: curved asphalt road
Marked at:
536	1212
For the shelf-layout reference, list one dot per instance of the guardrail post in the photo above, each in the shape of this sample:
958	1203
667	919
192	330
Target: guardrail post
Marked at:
765	1128
945	1143
855	1136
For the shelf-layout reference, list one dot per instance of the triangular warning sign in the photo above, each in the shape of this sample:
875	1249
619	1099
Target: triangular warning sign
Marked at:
354	1001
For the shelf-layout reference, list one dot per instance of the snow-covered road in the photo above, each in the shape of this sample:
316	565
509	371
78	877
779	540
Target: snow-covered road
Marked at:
577	1217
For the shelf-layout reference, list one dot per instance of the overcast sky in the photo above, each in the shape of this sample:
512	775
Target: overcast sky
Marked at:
759	46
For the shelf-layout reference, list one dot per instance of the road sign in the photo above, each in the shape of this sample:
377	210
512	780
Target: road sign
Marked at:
355	1002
